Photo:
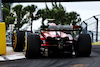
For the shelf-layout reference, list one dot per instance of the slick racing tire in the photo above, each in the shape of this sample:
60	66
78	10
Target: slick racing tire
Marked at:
33	46
18	41
84	46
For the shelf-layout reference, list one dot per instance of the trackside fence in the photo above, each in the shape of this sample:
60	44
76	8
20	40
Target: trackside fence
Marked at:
92	27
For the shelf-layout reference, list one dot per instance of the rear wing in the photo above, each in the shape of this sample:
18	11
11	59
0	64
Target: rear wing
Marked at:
62	28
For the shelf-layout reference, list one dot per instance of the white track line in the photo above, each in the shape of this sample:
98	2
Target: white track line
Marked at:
1	58
15	56
11	55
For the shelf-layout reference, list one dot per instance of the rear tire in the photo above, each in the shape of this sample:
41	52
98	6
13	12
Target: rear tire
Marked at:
83	47
18	43
33	46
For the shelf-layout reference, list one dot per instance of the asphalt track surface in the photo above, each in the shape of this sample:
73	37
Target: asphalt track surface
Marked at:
92	61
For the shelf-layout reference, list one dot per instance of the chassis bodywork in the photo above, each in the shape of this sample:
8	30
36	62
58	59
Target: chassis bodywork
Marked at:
59	38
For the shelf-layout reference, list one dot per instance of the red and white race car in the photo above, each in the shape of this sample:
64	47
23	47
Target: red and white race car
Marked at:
53	40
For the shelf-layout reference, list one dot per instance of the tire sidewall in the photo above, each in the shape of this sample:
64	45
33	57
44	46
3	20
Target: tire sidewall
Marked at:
83	47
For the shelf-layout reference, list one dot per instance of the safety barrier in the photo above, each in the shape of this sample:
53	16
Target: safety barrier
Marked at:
2	38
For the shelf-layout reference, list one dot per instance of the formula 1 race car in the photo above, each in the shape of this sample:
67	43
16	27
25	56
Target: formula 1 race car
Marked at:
52	40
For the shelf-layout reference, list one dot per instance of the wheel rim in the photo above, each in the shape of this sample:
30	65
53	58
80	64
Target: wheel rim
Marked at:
14	41
25	45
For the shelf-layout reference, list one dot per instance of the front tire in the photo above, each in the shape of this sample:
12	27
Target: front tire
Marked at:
18	41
